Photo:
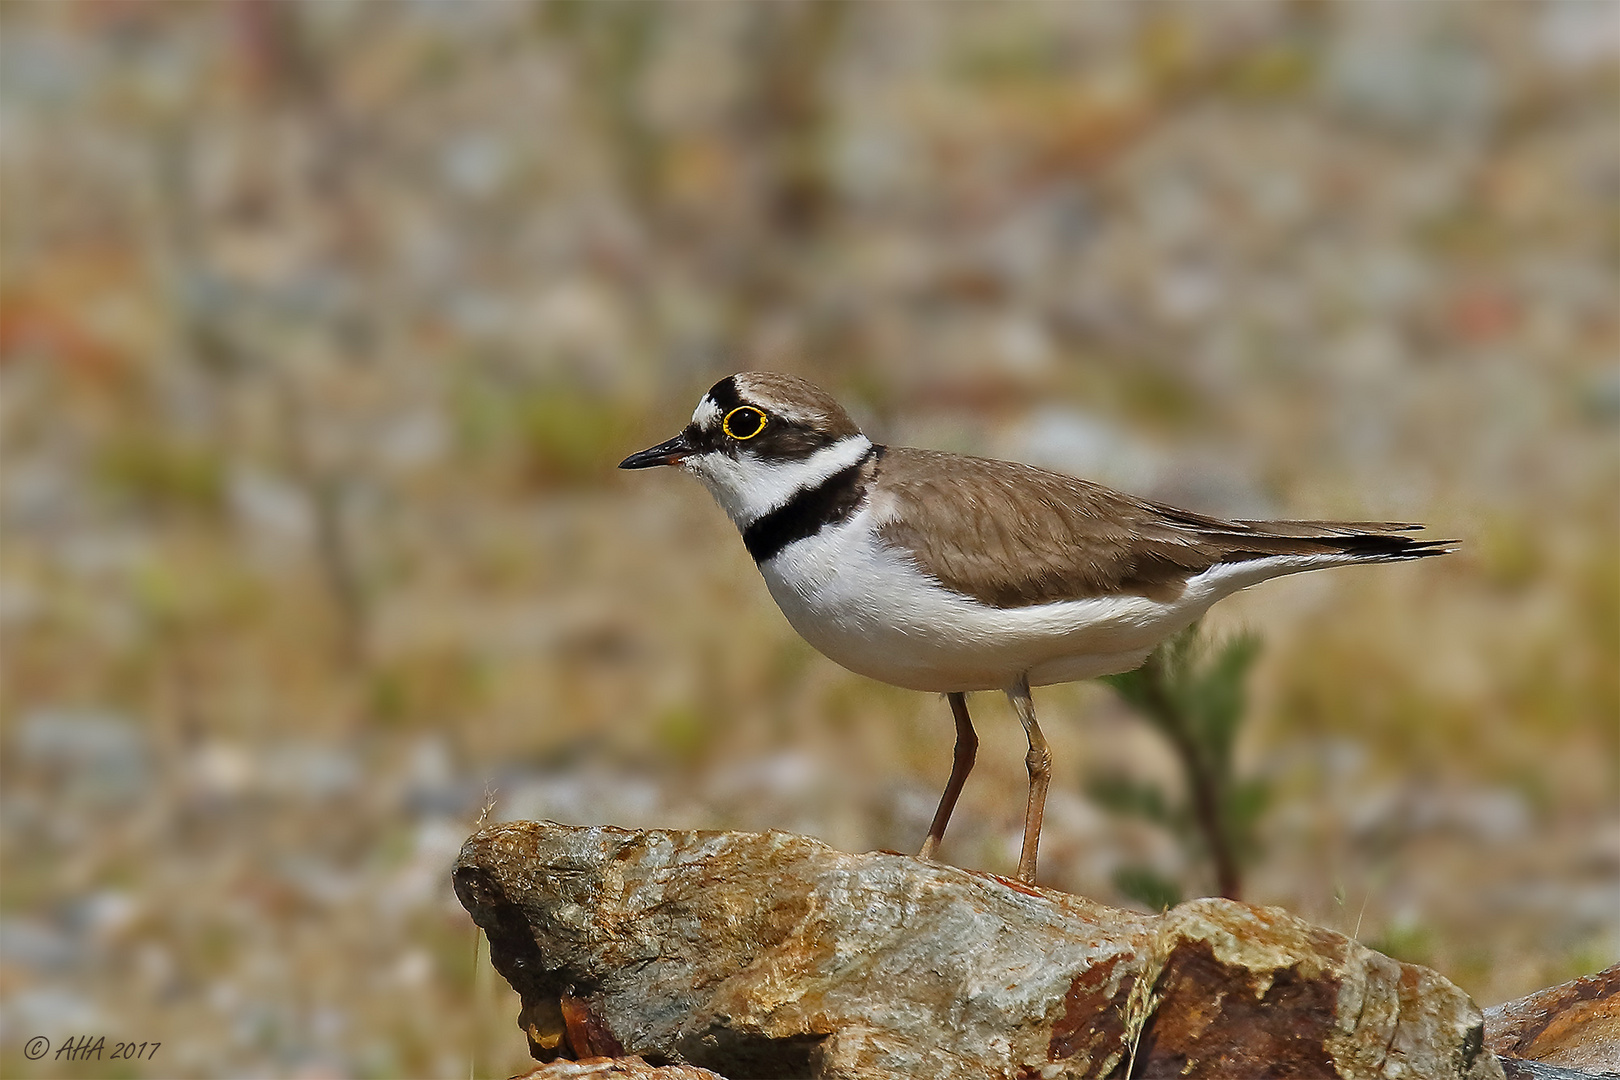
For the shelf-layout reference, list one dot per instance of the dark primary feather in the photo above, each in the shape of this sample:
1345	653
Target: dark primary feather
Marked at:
1012	535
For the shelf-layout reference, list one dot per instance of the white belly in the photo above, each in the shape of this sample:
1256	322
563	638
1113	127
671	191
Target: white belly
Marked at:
868	607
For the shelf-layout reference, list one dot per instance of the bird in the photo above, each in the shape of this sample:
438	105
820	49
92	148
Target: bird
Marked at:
950	574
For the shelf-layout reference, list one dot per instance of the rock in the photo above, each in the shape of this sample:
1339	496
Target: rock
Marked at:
624	1068
772	955
1524	1069
1568	1030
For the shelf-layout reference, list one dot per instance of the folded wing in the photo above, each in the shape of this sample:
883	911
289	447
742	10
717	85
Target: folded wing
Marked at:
1013	535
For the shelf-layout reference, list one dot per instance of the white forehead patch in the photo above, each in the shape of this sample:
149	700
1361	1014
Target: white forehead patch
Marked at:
707	413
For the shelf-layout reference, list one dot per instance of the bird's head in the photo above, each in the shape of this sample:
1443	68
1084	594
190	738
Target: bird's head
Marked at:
756	439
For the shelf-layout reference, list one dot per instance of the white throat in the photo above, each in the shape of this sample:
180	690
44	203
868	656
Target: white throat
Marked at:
747	488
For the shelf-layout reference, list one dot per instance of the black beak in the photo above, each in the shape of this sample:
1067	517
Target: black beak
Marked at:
667	452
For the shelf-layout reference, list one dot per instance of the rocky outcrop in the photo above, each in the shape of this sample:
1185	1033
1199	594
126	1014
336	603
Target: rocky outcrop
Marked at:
771	955
621	1068
1568	1030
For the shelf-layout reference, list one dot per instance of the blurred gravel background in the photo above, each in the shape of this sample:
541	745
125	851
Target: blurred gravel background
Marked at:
323	326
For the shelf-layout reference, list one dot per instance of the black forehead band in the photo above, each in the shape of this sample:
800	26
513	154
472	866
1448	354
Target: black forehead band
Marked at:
779	440
724	394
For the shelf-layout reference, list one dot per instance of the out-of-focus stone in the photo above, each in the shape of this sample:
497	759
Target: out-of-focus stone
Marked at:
1571	1026
774	955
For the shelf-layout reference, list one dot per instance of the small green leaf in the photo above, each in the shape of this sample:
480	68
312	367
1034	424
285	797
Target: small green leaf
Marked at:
1128	797
1194	692
1147	887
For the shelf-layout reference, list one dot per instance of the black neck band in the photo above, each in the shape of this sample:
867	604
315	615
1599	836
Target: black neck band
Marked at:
833	500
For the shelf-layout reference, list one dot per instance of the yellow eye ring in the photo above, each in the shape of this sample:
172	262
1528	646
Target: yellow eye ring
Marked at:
725	425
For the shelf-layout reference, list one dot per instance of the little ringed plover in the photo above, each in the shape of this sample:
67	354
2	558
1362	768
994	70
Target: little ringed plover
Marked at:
947	573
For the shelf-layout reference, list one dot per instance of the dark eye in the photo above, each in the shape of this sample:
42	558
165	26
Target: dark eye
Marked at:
743	422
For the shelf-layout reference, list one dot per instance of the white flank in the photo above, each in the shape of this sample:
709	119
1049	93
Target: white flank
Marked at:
747	488
867	606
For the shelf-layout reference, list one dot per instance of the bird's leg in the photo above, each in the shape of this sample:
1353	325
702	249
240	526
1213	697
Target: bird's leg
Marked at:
967	748
1039	761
